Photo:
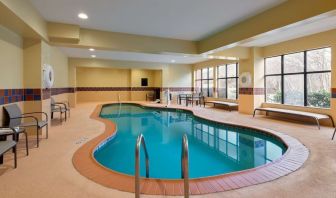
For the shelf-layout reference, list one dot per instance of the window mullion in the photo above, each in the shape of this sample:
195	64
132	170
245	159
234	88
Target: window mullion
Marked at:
282	80
226	82
305	78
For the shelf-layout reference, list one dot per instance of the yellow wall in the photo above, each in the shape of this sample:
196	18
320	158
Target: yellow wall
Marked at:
114	77
102	77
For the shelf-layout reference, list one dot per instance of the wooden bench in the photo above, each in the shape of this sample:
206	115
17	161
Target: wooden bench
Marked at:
316	116
228	105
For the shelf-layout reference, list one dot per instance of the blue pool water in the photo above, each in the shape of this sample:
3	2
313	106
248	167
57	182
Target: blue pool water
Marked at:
213	148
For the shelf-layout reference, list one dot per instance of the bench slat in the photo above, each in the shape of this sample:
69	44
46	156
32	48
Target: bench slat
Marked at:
231	104
294	112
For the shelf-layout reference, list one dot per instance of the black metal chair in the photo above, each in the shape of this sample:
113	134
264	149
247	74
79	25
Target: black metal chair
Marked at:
198	98
60	107
7	145
15	119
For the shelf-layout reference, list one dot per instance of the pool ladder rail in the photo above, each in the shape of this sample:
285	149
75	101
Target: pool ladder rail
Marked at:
184	164
140	141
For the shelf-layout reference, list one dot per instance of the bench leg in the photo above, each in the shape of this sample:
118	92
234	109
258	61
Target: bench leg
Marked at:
1	159
318	123
254	112
333	135
332	121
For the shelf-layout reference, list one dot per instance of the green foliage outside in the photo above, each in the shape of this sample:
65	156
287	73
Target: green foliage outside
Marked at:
319	98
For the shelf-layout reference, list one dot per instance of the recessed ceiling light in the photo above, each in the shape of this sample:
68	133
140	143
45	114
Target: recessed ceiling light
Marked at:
173	61
185	56
93	56
91	49
83	16
211	57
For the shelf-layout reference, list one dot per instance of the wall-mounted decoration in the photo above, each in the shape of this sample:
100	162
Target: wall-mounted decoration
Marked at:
48	76
144	82
245	80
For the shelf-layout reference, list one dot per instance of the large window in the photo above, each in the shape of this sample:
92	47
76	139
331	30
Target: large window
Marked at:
204	81
227	81
302	78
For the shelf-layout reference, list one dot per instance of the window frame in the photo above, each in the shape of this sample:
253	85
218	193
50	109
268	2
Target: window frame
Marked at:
305	73
207	78
226	79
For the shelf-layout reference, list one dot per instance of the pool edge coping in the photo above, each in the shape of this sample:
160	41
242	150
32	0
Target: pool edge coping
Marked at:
86	164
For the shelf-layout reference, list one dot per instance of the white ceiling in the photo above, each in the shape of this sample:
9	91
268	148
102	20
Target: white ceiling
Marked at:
133	56
180	19
300	29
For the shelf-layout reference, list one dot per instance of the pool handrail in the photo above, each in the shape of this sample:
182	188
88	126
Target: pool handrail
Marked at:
140	141
185	165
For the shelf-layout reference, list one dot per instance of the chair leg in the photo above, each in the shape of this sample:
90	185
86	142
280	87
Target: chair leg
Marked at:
27	150
333	135
52	115
65	113
61	117
37	136
15	159
47	130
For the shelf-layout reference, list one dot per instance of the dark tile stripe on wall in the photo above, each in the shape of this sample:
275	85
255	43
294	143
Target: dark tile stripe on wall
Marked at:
47	93
174	89
8	96
333	92
252	91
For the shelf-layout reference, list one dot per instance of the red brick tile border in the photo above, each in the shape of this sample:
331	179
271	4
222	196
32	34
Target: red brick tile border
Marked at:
85	163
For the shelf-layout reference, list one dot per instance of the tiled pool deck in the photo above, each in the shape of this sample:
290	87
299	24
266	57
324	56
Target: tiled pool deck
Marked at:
49	172
85	163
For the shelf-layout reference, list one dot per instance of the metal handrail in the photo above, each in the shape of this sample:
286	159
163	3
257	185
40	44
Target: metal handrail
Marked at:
140	141
119	99
185	165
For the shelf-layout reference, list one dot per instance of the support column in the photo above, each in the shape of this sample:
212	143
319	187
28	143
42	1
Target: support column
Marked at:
253	96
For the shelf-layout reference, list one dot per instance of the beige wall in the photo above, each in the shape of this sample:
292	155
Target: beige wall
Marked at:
177	75
59	61
11	61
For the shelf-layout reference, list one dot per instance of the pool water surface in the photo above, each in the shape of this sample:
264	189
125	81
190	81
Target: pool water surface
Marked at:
214	148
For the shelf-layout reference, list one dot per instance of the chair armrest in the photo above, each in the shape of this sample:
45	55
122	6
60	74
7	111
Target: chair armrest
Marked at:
57	106
31	113
61	103
34	118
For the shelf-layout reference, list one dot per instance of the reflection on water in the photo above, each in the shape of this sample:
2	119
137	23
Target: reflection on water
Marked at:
213	148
